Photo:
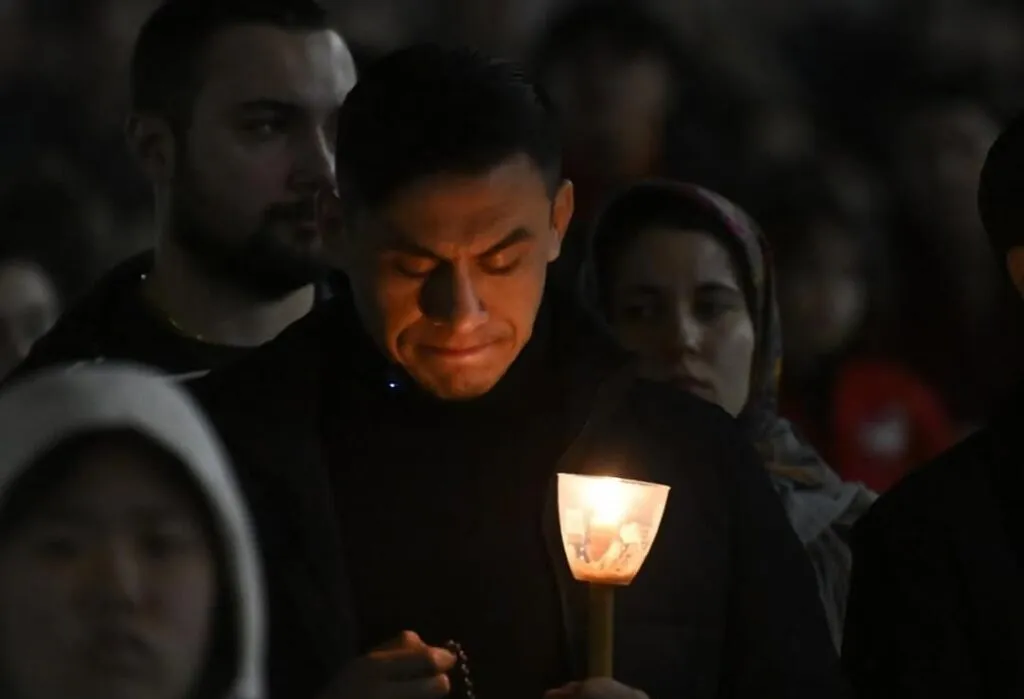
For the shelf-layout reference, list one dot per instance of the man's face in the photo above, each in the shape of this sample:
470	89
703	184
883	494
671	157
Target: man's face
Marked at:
449	274
258	153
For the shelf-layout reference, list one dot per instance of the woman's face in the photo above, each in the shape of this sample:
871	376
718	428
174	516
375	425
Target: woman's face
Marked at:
677	302
107	589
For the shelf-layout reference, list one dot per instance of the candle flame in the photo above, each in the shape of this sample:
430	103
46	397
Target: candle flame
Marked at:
607	500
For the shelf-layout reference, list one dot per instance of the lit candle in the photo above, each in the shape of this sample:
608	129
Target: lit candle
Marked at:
608	526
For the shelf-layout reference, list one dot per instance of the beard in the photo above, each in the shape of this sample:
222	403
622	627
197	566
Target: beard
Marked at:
260	263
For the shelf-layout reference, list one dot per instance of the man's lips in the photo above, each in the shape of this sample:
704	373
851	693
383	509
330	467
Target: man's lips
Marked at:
457	352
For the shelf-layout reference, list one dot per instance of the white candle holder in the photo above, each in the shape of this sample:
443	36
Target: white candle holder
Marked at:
608	526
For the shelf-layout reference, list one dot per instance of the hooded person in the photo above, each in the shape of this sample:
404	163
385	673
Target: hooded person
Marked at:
127	563
685	279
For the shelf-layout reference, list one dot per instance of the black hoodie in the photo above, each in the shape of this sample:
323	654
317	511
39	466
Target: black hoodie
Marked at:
344	459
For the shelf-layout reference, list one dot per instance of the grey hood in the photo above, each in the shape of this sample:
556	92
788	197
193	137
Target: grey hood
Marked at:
42	410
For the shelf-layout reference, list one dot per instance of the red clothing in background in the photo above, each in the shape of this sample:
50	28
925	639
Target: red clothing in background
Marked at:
881	422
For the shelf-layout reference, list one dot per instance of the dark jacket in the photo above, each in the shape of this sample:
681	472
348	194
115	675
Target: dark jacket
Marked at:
936	607
725	605
114	322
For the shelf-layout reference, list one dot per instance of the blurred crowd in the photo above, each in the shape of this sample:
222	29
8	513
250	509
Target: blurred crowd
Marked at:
412	287
853	132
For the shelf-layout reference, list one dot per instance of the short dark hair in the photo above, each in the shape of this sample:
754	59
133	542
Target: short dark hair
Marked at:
427	110
1001	189
165	65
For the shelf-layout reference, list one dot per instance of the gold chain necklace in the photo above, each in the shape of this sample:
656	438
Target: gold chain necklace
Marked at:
172	322
180	330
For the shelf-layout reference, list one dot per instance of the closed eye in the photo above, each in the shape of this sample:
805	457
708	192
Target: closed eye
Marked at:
506	255
501	264
414	267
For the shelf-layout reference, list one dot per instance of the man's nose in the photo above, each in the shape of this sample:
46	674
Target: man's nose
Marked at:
452	298
314	162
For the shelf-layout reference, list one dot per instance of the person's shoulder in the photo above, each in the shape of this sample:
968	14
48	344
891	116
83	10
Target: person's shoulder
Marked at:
657	404
930	495
690	439
283	370
94	325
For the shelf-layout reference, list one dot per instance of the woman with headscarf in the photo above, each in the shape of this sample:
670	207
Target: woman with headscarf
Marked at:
684	278
127	563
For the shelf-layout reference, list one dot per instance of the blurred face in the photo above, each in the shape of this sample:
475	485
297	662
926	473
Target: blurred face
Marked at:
448	275
613	109
677	303
29	307
107	589
940	157
259	152
780	134
822	295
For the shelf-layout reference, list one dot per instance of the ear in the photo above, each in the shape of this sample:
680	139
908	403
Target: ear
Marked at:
330	219
151	141
561	216
1015	266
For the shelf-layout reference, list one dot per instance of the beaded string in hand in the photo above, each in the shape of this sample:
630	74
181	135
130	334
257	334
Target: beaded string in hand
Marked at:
459	674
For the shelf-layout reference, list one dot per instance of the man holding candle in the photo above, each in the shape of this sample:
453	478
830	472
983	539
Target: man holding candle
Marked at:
400	446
